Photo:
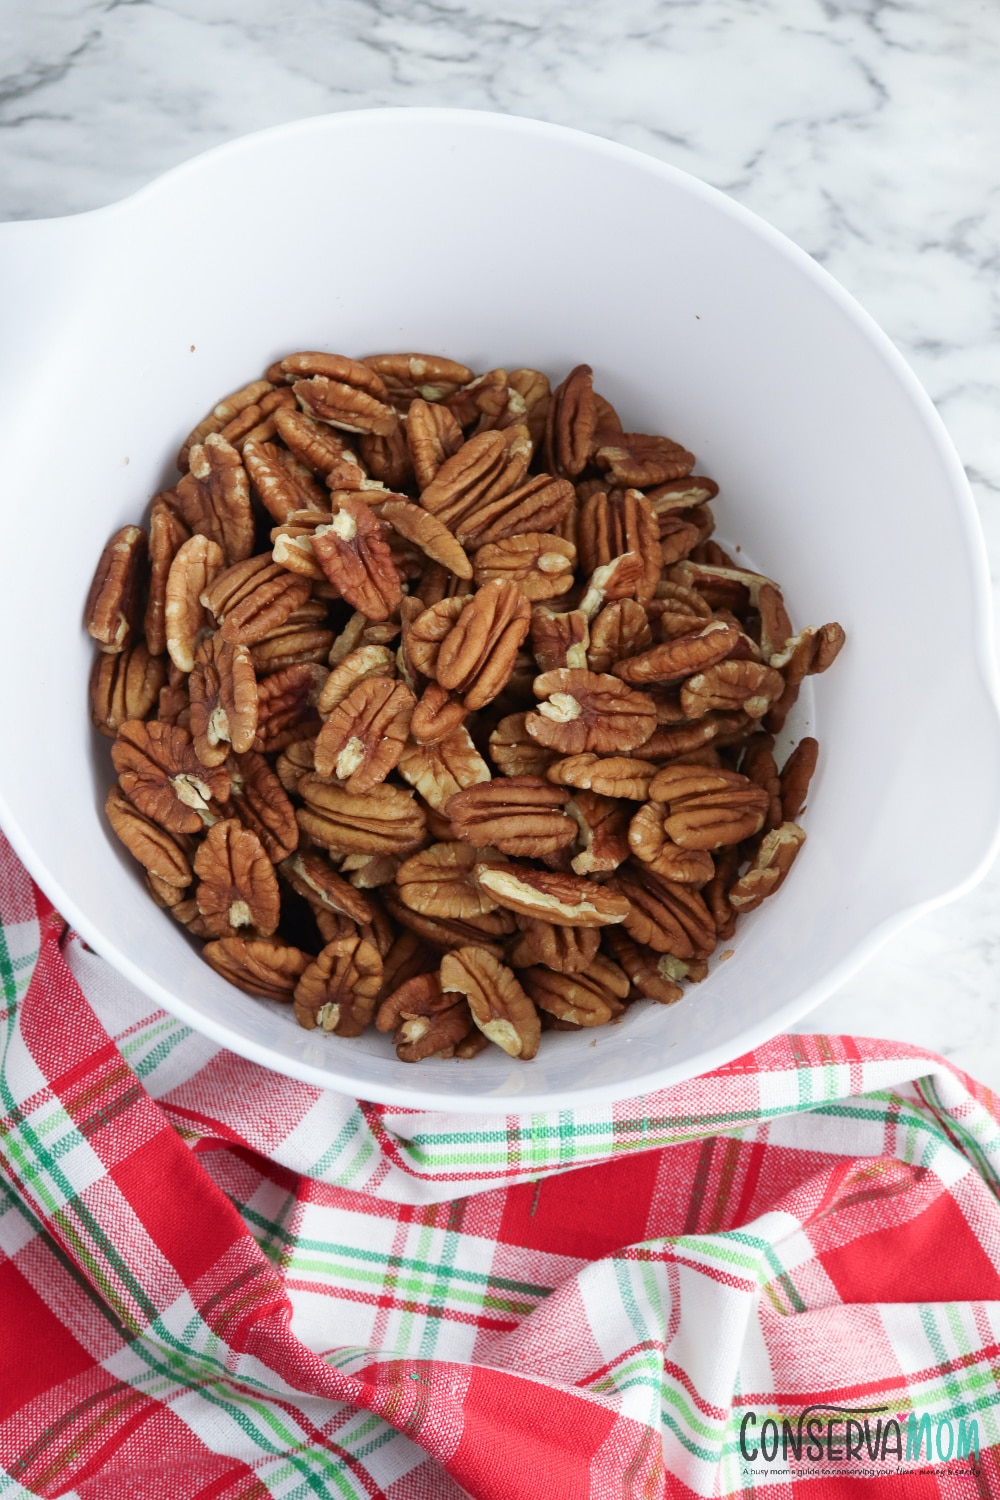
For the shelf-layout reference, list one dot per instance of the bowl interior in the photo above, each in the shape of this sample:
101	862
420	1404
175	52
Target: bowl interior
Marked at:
502	242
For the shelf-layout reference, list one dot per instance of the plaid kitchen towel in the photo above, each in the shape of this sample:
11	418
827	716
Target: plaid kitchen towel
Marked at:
780	1279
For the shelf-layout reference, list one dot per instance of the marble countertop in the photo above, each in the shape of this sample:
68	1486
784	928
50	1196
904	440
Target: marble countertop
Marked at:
867	130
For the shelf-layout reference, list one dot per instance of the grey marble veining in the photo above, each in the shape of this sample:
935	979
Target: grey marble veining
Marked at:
868	130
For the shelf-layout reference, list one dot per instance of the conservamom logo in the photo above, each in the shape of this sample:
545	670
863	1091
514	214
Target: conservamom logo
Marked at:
829	1434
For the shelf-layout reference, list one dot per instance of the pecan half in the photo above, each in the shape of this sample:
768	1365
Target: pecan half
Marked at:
749	686
439	882
282	482
759	765
258	966
387	459
540	504
302	638
237	884
186	621
610	775
432	436
314	444
354	554
476	656
437	715
565	949
667	916
213	498
486	931
406	376
570	423
584	710
159	772
567	900
716	893
559	640
585	999
514	752
603	825
428	533
111	613
359	665
534	390
224	702
315	879
682	657
286	706
427	1020
796	775
477	477
123	686
352	408
621	629
706	808
338	991
539	563
440	770
520	815
770	866
222	414
640	459
364	736
645	968
258	799
294	762
680	610
254	597
161	855
648	841
611	525
385	820
167	534
499	1006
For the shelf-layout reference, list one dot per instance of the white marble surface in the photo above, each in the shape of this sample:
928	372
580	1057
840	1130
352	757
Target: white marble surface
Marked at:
868	130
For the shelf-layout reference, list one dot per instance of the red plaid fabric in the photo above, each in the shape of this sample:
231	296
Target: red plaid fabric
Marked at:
780	1279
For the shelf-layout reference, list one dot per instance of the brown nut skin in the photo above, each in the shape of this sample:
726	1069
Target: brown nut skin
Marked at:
515	753
610	775
603	826
281	482
566	900
716	893
476	657
568	950
339	989
237	884
159	772
428	533
706	809
436	716
445	933
438	771
225	707
560	640
354	554
499	1006
185	619
259	801
611	525
540	563
432	436
667	917
385	820
124	685
161	855
286	708
538	505
519	815
589	711
348	407
741	686
315	879
637	458
213	498
482	470
770	866
167	534
254	597
365	735
682	657
570	423
439	882
589	998
642	965
258	966
648	841
621	629
114	601
796	774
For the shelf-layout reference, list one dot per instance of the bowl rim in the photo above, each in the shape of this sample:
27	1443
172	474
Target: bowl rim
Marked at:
427	1099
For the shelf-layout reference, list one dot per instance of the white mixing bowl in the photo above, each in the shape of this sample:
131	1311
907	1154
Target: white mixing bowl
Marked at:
504	241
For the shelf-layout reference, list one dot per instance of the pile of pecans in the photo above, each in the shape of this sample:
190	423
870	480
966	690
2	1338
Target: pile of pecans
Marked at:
435	706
